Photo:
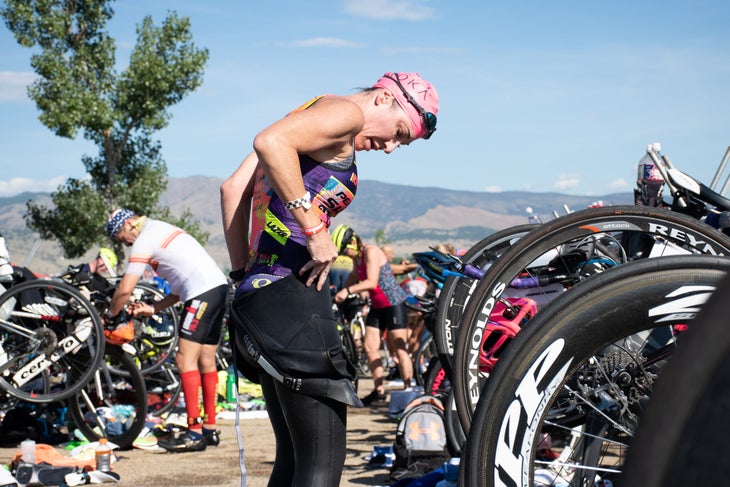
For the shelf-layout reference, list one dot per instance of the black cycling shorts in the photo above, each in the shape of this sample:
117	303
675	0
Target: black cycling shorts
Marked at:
390	318
201	320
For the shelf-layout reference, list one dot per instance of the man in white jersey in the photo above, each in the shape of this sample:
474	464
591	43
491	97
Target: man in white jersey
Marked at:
196	280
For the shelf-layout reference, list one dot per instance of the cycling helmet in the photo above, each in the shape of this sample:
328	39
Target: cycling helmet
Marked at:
160	330
342	236
109	258
505	321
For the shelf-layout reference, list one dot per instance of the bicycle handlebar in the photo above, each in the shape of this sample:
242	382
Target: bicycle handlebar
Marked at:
440	265
536	281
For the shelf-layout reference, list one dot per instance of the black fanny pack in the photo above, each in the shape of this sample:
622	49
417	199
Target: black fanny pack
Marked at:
288	331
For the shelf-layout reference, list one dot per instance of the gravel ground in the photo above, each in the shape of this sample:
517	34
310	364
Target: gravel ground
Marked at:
219	466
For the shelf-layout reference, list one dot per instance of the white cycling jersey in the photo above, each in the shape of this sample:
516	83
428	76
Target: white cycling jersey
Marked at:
177	257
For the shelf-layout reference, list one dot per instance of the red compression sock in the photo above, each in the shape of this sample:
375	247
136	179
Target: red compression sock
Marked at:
190	387
210	396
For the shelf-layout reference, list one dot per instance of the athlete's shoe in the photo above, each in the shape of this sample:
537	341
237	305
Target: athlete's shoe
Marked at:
186	441
374	396
212	437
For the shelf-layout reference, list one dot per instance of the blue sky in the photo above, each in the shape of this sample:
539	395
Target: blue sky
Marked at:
541	96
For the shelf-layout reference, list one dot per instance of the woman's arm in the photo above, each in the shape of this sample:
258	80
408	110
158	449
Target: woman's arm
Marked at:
236	194
403	268
324	131
374	260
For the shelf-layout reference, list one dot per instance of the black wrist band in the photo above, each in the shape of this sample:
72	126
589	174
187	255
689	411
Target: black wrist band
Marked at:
238	274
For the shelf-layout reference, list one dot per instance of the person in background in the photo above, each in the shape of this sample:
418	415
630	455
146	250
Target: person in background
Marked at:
400	267
6	265
388	312
194	279
343	264
105	262
301	174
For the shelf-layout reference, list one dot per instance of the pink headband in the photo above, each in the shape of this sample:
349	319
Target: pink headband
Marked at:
421	90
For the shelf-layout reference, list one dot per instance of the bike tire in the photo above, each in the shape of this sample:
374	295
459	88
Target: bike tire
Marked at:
456	291
455	437
348	343
682	436
357	324
676	232
51	339
423	358
109	389
620	325
153	351
163	387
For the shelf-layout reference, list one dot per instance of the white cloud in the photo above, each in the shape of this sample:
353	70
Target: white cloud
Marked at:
390	9
19	185
618	184
422	50
566	181
493	189
325	42
13	85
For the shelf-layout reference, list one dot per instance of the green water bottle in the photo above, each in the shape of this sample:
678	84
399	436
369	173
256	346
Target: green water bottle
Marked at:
231	386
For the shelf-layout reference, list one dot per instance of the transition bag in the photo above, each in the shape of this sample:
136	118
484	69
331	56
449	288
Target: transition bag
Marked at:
420	439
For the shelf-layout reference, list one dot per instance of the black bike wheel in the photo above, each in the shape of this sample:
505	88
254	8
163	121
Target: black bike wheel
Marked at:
457	290
423	358
683	433
163	389
157	336
112	405
614	234
51	340
455	437
348	343
564	404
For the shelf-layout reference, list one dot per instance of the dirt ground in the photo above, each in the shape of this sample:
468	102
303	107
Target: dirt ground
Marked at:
219	466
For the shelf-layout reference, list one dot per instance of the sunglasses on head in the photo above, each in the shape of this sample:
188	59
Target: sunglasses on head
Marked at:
429	119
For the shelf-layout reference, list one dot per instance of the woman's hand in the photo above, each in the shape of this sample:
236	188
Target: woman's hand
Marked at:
323	253
341	295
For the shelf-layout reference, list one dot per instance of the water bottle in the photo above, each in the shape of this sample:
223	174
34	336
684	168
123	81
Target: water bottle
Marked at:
231	386
103	456
649	179
647	170
27	451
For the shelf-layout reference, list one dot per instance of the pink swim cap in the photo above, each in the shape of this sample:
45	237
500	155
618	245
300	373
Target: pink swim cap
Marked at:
423	94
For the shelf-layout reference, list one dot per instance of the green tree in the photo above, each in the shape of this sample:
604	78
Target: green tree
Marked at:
79	90
380	238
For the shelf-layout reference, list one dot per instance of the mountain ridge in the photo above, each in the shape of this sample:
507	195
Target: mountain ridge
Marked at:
411	217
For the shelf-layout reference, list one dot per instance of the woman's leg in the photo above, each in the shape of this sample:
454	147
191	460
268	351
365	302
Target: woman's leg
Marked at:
283	472
372	349
310	437
405	365
318	430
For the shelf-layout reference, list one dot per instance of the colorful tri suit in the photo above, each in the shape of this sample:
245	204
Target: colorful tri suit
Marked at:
278	246
388	292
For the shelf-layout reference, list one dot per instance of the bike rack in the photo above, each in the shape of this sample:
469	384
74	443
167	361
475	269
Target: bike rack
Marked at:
718	173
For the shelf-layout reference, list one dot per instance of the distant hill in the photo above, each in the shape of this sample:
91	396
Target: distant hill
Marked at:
411	217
